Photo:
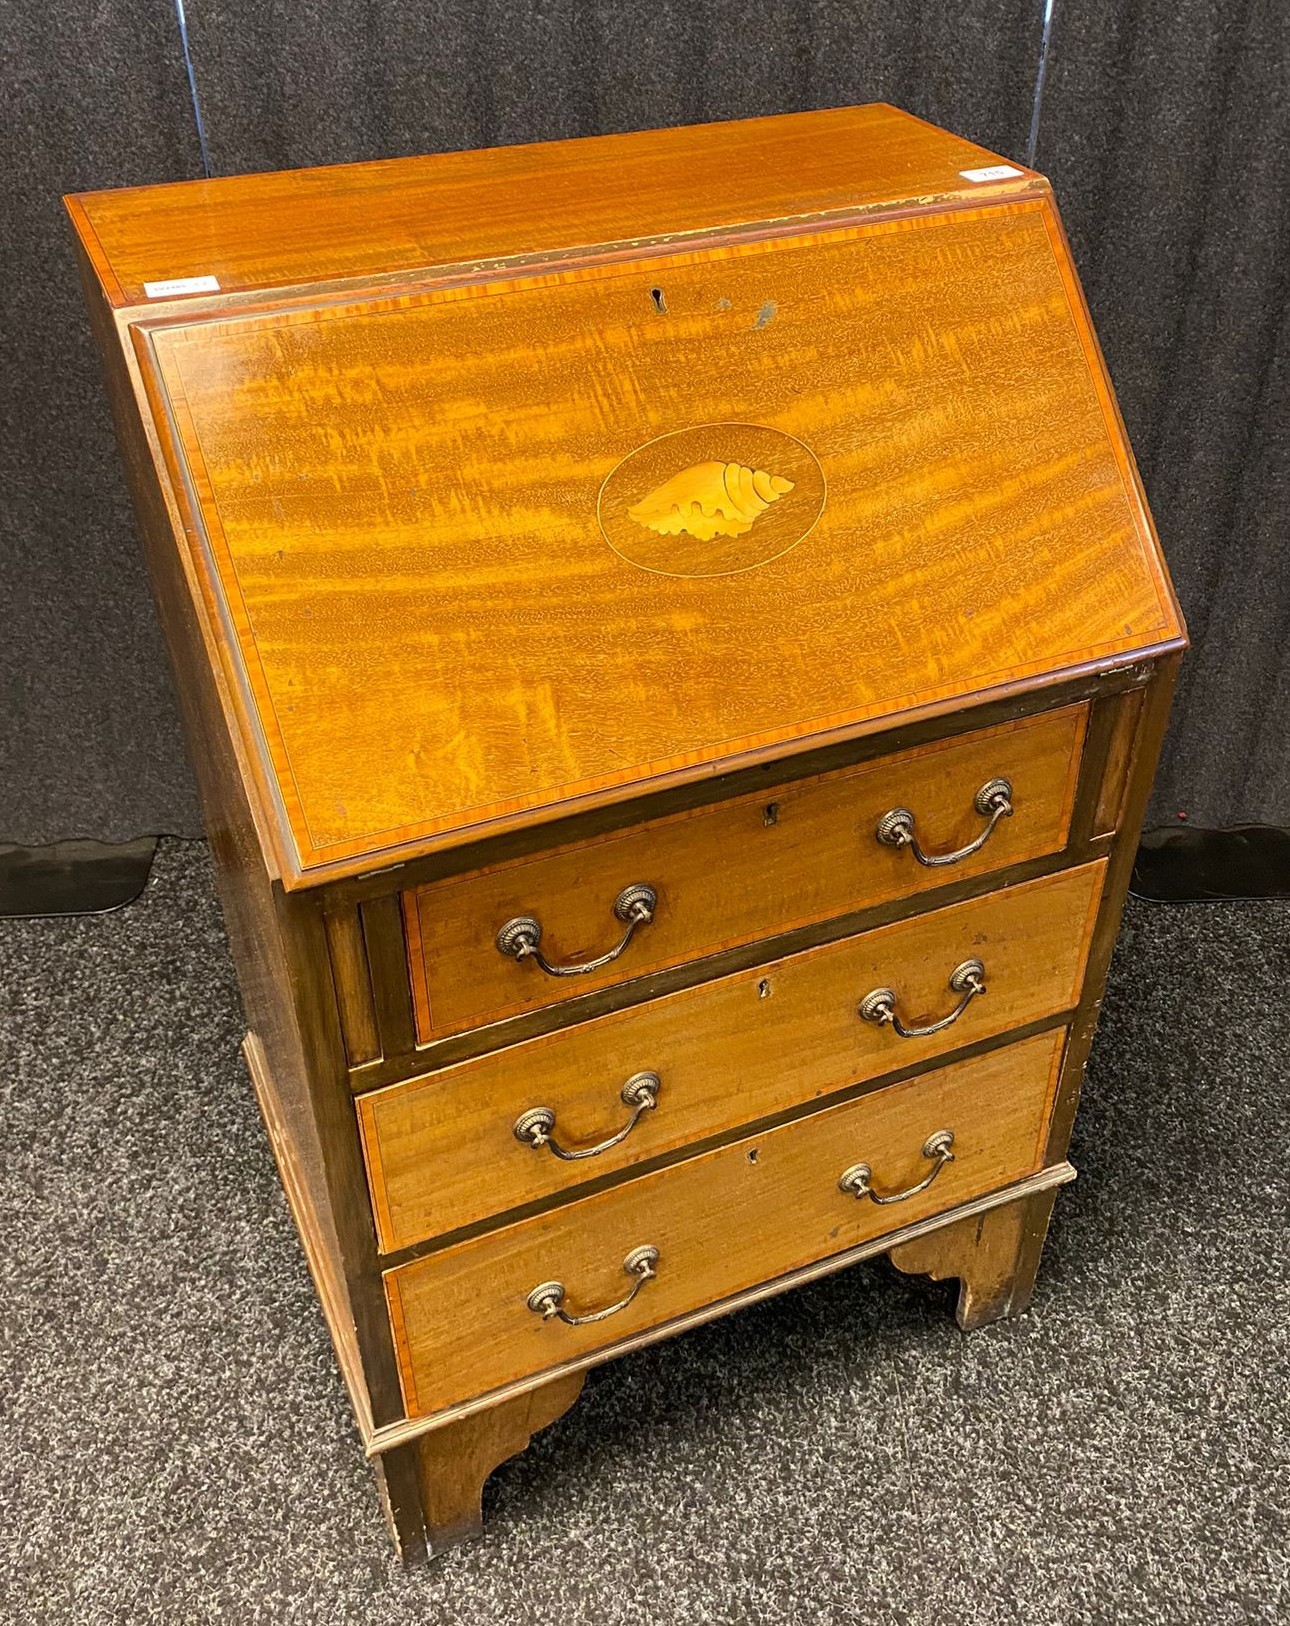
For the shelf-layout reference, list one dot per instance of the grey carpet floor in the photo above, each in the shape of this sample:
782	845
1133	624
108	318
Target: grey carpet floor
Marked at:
176	1443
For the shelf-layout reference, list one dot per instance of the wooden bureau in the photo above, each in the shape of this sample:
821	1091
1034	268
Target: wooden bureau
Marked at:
674	652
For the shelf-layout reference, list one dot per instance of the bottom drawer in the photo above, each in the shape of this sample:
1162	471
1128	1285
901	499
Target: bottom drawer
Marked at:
720	1222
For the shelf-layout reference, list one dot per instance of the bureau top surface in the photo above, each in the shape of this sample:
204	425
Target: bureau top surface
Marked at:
483	546
410	214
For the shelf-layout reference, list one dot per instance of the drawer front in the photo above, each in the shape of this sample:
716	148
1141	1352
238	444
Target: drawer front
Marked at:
735	872
442	1151
720	1223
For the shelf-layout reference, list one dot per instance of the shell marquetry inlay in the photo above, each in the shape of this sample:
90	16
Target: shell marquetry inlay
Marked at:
710	499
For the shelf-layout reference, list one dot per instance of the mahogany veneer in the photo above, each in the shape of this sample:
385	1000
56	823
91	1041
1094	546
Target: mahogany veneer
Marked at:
674	652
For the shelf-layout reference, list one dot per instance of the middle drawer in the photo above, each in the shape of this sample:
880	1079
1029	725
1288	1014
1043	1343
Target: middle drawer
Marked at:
455	1147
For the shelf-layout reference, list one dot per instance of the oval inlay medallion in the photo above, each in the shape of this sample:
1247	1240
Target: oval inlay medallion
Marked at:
712	500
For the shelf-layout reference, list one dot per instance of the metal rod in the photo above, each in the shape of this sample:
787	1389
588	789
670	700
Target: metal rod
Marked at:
192	88
1041	72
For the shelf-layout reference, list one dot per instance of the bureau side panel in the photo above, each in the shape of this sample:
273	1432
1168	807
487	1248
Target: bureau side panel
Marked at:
278	943
1127	773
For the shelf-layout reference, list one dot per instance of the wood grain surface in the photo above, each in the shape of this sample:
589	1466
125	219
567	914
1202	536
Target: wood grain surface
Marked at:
405	215
455	1460
437	634
994	1255
351	974
736	871
749	1212
278	942
1110	803
639	487
441	1153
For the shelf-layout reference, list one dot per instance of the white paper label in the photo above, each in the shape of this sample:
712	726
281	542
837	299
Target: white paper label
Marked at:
181	285
996	172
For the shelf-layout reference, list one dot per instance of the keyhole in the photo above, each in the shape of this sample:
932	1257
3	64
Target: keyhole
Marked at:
752	1156
770	814
763	988
660	304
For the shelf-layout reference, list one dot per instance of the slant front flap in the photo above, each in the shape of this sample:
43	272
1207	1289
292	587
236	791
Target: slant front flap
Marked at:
493	548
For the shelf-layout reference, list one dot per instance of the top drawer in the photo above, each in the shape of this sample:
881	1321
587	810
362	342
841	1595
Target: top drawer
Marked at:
733	872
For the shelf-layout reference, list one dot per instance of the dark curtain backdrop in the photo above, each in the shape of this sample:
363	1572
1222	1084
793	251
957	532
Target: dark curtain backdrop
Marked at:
1165	129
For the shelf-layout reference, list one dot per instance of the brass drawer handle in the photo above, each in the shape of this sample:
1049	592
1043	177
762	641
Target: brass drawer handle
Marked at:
879	1006
547	1300
535	1127
519	938
855	1182
993	802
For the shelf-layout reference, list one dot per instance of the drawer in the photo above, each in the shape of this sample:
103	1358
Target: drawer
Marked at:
442	1151
734	872
720	1223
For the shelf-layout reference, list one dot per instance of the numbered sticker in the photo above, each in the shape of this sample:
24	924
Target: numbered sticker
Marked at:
181	285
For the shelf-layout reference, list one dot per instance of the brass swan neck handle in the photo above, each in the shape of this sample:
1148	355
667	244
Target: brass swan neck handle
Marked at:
536	1126
993	802
519	938
879	1006
856	1182
547	1299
